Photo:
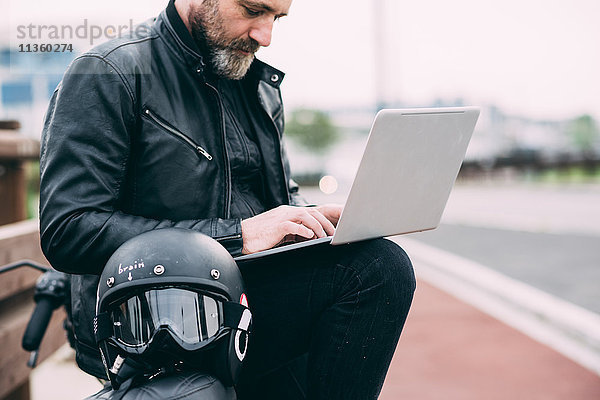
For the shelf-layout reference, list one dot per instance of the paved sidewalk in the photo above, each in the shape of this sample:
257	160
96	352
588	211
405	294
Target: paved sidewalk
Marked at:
449	350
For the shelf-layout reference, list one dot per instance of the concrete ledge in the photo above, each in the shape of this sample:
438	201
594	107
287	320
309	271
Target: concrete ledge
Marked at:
18	147
565	327
19	241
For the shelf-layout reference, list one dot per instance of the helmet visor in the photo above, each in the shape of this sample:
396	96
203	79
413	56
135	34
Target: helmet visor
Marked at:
191	317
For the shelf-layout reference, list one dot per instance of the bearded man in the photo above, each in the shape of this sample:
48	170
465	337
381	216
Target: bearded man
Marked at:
179	125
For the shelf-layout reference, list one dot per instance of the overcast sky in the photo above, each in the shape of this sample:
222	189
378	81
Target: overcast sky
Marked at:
530	57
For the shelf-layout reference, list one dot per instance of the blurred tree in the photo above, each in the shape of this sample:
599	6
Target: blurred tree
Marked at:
313	129
584	133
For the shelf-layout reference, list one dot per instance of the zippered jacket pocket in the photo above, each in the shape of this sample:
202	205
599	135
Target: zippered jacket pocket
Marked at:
146	112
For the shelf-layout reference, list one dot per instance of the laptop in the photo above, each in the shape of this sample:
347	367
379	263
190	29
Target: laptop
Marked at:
408	168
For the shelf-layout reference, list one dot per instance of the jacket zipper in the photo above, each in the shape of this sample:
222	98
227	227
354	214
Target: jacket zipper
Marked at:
227	210
199	149
222	238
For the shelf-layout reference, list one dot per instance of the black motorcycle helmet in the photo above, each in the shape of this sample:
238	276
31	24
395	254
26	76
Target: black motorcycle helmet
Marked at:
171	298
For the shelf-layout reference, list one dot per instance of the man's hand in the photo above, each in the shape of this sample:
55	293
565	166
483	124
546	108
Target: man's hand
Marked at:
288	223
331	211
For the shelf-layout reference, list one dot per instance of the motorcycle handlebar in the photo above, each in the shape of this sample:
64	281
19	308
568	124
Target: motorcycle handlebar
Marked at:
50	291
38	323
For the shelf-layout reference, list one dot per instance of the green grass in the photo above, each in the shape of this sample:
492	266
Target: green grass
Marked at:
569	175
33	189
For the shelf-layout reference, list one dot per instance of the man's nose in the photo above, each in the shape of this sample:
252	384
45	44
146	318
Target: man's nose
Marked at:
261	31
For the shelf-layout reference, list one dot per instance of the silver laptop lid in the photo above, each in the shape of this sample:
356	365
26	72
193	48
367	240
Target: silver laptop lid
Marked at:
407	171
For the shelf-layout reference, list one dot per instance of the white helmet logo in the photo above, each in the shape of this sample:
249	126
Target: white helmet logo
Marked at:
243	326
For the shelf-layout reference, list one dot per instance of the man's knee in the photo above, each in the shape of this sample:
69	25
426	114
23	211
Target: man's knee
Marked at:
386	267
396	267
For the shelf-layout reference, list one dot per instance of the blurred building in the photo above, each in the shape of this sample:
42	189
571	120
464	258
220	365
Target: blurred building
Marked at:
27	81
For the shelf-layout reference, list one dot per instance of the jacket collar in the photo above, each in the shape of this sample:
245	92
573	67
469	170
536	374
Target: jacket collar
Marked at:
264	72
179	28
179	37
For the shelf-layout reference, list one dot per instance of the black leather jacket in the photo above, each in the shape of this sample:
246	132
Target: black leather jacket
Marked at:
133	141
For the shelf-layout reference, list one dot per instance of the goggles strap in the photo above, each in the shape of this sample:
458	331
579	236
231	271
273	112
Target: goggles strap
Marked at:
103	327
232	316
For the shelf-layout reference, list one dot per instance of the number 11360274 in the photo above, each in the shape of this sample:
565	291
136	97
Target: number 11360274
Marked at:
45	48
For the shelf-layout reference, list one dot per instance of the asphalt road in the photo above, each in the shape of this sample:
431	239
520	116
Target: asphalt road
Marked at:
565	265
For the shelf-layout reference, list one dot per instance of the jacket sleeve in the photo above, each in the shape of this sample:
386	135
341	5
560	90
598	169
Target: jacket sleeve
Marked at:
84	155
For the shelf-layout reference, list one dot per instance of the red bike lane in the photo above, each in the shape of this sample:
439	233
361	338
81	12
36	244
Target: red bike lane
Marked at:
450	350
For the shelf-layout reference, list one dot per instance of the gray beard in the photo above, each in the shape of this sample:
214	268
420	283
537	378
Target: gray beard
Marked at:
208	28
227	64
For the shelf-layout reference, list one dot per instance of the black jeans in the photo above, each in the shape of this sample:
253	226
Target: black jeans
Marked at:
342	306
